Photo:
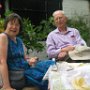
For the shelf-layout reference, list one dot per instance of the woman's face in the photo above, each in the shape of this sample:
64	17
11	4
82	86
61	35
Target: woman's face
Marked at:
13	27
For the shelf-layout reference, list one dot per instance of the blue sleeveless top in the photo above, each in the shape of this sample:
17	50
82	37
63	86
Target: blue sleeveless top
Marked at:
15	56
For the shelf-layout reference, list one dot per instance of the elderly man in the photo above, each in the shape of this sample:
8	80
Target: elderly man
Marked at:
63	39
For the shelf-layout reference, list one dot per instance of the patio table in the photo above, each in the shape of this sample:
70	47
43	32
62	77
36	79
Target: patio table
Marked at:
69	76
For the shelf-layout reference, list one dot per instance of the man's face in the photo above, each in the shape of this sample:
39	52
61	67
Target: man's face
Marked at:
60	20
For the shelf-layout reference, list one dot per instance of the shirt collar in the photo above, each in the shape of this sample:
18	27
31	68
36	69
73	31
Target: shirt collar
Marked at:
57	30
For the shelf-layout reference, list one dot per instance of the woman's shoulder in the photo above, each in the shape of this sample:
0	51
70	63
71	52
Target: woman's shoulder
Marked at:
3	36
3	39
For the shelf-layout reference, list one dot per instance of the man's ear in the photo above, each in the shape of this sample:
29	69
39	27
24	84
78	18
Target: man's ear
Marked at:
66	17
53	22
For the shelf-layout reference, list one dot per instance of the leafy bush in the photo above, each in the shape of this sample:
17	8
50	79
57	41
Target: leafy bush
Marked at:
1	25
45	27
31	34
80	23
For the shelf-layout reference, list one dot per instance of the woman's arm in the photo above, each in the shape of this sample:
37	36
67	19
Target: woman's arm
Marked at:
31	60
3	62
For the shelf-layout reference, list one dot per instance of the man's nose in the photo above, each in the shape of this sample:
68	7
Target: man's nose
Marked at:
59	19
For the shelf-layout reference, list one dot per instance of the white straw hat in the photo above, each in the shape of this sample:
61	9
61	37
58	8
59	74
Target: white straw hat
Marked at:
80	53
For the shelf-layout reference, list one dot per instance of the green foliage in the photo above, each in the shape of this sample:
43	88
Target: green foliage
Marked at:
80	23
8	12
31	34
1	25
44	28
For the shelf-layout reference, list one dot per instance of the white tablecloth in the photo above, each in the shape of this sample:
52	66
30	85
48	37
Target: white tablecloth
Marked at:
69	76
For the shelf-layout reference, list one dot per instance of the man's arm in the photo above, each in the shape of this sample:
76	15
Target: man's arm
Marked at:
64	51
52	51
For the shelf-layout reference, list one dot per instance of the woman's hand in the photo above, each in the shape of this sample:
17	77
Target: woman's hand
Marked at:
32	61
9	88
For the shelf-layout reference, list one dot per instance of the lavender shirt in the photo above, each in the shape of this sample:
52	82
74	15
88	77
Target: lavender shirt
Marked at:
56	41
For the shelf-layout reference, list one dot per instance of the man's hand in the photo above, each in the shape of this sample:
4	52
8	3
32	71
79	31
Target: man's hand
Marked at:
64	52
61	55
68	48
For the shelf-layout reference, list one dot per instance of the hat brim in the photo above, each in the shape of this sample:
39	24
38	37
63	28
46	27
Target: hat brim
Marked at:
80	54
